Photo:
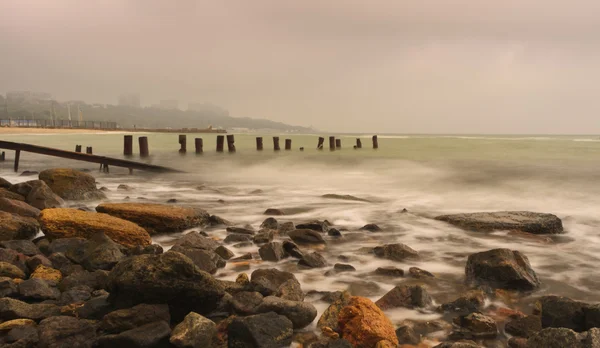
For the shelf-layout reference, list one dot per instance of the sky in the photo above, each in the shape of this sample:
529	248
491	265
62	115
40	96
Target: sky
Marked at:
393	66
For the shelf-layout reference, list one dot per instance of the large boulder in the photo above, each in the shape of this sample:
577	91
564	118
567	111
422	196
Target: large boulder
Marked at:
18	207
268	281
537	223
206	260
130	318
195	331
63	331
364	325
17	227
501	268
71	184
66	223
267	330
170	278
98	252
559	311
38	194
157	218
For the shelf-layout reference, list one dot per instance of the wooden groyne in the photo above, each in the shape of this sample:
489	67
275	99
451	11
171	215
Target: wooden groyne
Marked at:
104	161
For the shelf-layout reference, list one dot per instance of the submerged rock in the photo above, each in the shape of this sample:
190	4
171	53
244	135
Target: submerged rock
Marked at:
395	252
475	325
405	296
501	268
306	236
17	227
72	184
270	224
418	273
524	327
319	226
371	228
157	218
536	223
363	324
389	272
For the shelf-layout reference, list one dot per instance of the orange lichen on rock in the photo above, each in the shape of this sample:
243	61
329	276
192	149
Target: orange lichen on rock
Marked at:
364	325
46	273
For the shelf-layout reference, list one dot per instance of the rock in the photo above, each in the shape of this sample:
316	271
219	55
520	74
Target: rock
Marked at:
272	251
11	271
196	241
5	183
459	344
418	273
319	226
364	288
96	308
517	342
290	290
244	257
237	237
406	335
263	237
170	278
95	280
38	260
25	247
8	287
63	244
38	290
501	268
305	236
37	194
558	311
475	325
329	318
151	335
275	212
592	339
286	227
471	301
14	258
270	224
405	296
66	223
153	249
78	294
240	230
389	272
292	249
72	184
157	218
301	314
16	323
592	316
205	260
267	281
363	324
334	233
244	302
17	227
215	221
130	318
313	260
242	245
47	274
225	253
536	223
63	331
14	309
5	193
371	228
554	338
100	252
124	187
18	207
524	327
395	252
268	330
341	267
345	197
195	331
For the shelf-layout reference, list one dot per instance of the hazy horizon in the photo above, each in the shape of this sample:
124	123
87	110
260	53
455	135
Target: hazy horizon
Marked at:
424	67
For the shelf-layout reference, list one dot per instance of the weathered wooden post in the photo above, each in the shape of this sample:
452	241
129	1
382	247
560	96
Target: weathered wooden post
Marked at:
77	148
302	149
220	143
276	144
338	143
17	157
288	144
183	143
332	143
358	143
375	142
259	143
89	150
143	147
320	144
199	145
230	143
3	156
128	145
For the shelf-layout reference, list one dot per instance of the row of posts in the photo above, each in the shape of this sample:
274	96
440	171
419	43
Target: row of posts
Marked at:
88	149
199	145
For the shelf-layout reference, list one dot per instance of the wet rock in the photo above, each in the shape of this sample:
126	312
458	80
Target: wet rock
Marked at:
364	288
341	267
67	223
363	324
301	314
263	237
72	184
18	207
267	281
274	212
592	316
242	245
524	327
395	252
334	233
554	338
130	318
459	344
167	278
344	197
225	253
151	335
4	183
286	227
329	318
195	331
262	330
37	260
37	194
292	249
240	230
290	290
43	244
237	237
406	335
153	249
475	325
270	224
14	309
536	223
124	187
5	193
96	308
244	302
319	226
157	218
63	331
99	252
558	311
371	228
306	236
272	251
17	227
313	260
215	221
389	272
25	247
38	290
205	260
63	244
47	274
517	342
78	294
11	271
95	280
405	296
196	241
501	268
243	257
471	301
418	273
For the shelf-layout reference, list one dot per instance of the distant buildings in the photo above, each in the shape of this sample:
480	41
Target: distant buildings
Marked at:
132	100
28	97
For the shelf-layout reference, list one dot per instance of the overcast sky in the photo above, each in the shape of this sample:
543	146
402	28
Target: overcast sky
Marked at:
425	66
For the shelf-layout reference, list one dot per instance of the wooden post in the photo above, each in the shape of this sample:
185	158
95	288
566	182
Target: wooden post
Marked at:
230	143
199	145
17	157
77	148
89	150
3	156
320	144
338	143
220	143
259	143
144	146
183	143
288	144
276	144
332	143
375	142
128	145
358	143
302	149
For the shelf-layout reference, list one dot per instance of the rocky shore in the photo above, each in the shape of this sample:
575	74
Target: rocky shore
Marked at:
94	277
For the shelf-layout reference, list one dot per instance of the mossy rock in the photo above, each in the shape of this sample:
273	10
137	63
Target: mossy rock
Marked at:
72	184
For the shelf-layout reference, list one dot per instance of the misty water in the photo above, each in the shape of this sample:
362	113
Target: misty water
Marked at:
427	175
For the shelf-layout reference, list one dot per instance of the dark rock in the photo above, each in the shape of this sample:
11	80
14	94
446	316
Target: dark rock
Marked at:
558	311
418	273
43	244
405	296
59	260
290	290
263	237
77	294
11	271
341	267
344	197
25	247
313	260
37	289
319	226
124	187
371	228
152	249
14	258
517	342
406	335
214	221
395	252
459	344
170	278
524	327
472	301
22	337
242	245
286	227
240	230
35	261
272	251
592	316
63	331
225	253
267	281
5	183
329	318
270	224
524	221
130	318
6	193
268	330
207	261
292	249
95	280
100	252
17	227
475	325
8	287
554	338
274	212
301	314
96	308
244	302
194	331
236	237
14	309
332	296
334	233
153	335
63	244
196	241
306	236
38	194
72	184
389	272
18	207
501	268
